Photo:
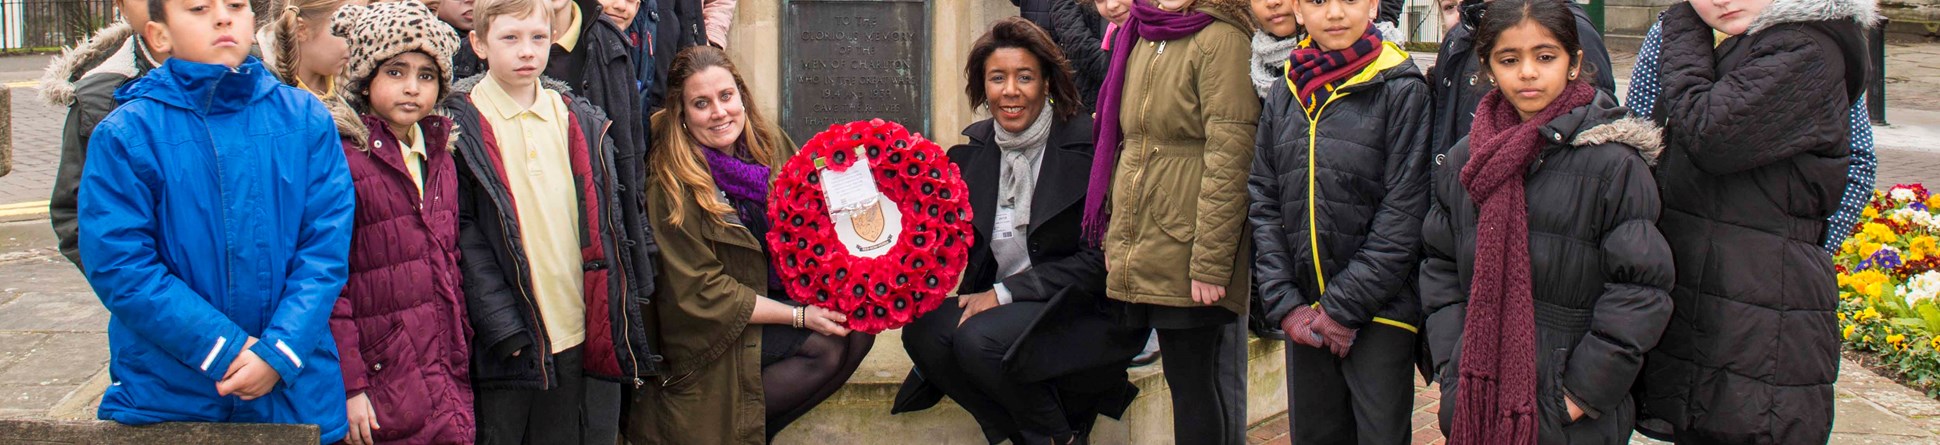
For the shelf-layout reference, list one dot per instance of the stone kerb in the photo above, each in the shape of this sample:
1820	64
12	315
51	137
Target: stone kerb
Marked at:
42	431
858	414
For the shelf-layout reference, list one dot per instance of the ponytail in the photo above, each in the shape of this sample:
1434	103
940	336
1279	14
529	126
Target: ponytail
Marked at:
282	49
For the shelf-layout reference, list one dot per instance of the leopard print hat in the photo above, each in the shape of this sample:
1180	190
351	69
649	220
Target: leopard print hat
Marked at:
378	32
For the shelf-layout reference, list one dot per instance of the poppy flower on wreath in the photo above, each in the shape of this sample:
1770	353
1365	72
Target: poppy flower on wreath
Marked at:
883	260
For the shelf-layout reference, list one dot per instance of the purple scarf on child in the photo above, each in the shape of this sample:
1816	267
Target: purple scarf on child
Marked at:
1147	23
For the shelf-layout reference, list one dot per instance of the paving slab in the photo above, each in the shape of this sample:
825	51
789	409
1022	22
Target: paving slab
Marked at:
54	312
39	398
36	149
15	346
60	360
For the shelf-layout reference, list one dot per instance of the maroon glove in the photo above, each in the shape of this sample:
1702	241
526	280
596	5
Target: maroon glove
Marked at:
1299	327
1339	338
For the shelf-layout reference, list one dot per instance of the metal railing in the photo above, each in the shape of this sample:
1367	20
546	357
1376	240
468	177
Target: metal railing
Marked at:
43	25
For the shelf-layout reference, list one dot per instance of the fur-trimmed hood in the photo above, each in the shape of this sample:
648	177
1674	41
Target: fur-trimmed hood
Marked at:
1603	121
1637	132
1864	12
349	126
114	43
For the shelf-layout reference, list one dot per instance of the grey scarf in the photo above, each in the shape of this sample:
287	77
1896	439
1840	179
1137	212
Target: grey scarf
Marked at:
1021	152
1269	57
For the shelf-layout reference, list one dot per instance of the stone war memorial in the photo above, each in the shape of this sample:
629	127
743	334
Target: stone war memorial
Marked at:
814	63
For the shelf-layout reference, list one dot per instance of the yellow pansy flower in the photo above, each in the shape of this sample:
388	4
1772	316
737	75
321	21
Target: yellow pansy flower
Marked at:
1880	233
1921	247
1848	332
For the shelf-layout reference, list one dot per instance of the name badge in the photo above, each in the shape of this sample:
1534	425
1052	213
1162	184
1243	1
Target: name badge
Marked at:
1003	228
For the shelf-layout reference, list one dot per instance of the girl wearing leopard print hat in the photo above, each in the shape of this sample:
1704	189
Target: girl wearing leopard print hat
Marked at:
401	322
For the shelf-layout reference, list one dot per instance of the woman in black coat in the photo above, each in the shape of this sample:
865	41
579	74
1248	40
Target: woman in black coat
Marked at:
1594	295
1756	162
1027	347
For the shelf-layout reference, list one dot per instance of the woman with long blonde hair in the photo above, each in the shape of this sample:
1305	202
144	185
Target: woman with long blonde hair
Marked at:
707	198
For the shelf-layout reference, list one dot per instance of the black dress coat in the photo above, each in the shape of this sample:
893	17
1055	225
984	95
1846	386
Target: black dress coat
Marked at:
1073	333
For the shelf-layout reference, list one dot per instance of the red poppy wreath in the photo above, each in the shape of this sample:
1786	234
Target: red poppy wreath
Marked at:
870	221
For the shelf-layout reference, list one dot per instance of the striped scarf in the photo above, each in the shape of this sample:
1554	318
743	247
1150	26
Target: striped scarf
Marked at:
1314	70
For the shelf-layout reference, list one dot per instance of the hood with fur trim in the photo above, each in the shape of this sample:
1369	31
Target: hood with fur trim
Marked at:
1604	121
110	50
1637	132
1864	12
349	126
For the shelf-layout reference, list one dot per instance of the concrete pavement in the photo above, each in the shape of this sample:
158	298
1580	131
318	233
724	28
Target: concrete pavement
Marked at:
53	331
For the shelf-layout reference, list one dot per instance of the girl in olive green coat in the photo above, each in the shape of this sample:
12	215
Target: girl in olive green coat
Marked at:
1175	130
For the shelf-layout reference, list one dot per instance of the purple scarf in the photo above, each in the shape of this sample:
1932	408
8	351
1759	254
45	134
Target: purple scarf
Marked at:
741	180
1147	23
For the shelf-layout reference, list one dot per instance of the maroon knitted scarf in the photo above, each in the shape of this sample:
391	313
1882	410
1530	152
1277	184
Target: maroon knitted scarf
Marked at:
1495	401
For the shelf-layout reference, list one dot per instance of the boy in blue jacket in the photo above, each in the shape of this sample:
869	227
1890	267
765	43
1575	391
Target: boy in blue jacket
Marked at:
215	214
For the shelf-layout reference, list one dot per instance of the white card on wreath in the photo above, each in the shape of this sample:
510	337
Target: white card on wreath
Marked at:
851	189
866	222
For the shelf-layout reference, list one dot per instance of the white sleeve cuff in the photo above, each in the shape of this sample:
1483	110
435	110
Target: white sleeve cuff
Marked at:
1003	294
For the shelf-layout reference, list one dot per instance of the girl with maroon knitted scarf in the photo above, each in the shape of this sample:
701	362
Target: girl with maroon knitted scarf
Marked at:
1338	186
1546	280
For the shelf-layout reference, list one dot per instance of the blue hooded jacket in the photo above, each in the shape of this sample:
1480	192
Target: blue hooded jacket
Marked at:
216	206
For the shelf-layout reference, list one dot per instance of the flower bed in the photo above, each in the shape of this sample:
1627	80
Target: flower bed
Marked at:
1889	276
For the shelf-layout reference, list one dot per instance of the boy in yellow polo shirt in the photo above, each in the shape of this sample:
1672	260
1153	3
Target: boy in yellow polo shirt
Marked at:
551	292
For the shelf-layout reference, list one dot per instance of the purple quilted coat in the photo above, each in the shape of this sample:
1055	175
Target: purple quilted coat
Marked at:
401	324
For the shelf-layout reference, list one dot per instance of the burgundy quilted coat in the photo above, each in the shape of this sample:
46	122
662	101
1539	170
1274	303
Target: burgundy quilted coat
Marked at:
401	324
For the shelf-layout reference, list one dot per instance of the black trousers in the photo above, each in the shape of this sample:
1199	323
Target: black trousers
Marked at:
581	410
966	363
1206	369
1364	398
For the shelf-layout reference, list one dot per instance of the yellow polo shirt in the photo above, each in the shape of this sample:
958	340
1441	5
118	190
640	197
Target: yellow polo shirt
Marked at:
327	92
414	157
538	169
569	38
